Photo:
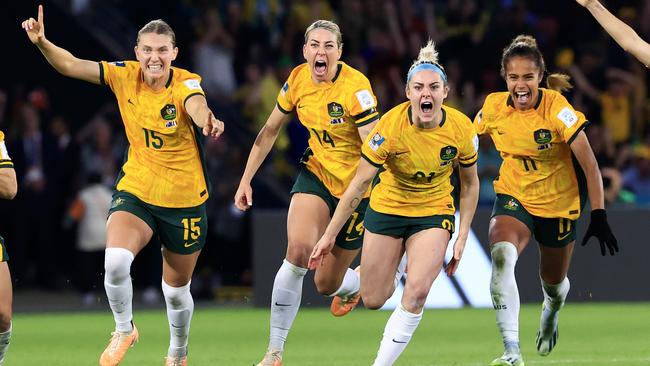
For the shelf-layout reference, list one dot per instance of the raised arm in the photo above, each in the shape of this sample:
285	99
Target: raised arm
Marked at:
349	201
8	184
622	33
261	148
197	108
62	60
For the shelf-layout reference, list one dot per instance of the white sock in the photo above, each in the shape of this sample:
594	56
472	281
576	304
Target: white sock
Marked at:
119	290
180	307
5	337
398	332
285	301
350	284
554	297
505	295
401	267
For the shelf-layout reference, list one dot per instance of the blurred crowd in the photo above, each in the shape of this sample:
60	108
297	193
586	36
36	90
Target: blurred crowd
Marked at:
244	50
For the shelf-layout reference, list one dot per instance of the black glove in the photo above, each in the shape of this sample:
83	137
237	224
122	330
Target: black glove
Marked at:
599	228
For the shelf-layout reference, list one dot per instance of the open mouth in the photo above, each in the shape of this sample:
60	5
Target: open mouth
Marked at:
320	67
426	107
522	97
155	68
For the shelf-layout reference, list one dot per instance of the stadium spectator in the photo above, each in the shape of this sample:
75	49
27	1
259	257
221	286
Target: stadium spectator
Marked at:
163	181
622	33
636	178
8	189
336	104
538	191
411	209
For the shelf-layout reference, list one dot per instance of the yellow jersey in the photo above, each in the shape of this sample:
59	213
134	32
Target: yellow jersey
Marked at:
418	162
538	166
331	112
5	160
164	165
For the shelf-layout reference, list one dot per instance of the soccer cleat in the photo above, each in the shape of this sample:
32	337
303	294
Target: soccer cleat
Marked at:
508	359
176	361
271	358
547	334
120	343
342	305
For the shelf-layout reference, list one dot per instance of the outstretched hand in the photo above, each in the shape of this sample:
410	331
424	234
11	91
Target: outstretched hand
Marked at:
321	250
35	29
213	126
599	228
452	266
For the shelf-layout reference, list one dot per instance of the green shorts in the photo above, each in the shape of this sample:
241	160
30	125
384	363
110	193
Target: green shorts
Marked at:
404	226
351	235
551	232
4	256
181	230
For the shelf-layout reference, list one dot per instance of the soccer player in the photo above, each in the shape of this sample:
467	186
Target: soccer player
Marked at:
8	189
411	209
337	106
548	167
622	33
162	187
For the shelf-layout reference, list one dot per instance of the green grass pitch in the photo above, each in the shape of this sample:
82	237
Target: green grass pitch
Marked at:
590	334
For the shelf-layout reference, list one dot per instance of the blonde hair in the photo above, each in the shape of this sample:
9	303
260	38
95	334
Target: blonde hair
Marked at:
559	82
157	26
428	55
327	25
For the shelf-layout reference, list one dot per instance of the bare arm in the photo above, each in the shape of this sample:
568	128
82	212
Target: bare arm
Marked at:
582	150
197	108
469	188
62	60
8	184
364	131
622	33
261	148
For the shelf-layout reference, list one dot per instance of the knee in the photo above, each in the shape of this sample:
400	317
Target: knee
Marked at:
504	256
5	317
414	298
298	253
325	286
117	264
374	300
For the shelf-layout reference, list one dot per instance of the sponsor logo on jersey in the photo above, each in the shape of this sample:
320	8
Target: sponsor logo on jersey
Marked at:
118	63
168	112
567	116
365	99
335	110
117	202
511	205
193	84
448	153
376	141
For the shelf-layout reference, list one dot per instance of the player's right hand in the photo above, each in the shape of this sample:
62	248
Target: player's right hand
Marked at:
599	228
584	2
321	250
35	29
244	196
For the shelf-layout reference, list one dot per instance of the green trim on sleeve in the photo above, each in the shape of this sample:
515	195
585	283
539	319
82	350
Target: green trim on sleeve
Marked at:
101	74
575	134
282	109
365	114
370	161
468	164
368	121
6	163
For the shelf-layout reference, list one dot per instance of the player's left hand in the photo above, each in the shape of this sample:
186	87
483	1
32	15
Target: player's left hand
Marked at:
321	250
599	228
213	126
459	247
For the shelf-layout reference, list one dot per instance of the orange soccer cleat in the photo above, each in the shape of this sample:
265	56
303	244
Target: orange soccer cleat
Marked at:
176	361
271	358
342	305
120	343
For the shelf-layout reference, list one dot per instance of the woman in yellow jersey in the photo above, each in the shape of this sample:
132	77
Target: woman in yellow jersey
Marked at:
337	106
8	189
411	208
540	190
162	186
622	33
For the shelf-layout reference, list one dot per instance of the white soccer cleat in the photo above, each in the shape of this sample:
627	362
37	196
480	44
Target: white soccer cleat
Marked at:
271	358
547	334
508	359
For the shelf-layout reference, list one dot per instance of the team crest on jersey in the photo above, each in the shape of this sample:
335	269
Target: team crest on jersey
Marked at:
168	112
119	201
511	205
448	153
543	138
335	110
376	141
